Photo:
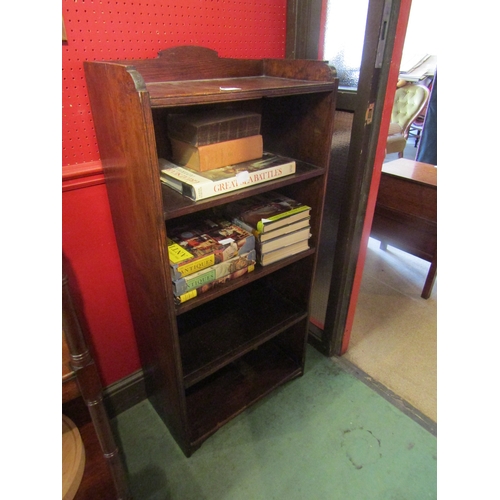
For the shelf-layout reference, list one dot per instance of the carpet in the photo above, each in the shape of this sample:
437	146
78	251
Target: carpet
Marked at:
326	435
394	334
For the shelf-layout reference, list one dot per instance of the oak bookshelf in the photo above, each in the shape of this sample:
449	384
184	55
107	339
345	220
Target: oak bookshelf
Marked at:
209	359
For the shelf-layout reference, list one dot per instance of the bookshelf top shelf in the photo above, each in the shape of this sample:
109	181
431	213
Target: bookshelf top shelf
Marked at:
229	89
196	75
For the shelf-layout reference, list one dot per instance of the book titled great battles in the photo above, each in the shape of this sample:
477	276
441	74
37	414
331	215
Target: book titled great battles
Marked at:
201	185
195	244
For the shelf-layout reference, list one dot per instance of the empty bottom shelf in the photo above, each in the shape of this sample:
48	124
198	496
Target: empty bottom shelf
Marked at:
225	394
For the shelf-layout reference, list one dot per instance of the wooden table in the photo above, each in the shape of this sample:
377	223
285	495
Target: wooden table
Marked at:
406	212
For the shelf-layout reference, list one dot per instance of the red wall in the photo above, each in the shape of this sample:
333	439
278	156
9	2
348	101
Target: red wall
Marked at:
109	30
92	263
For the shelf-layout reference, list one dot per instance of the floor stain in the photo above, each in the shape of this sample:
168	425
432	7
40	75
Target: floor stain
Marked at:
361	447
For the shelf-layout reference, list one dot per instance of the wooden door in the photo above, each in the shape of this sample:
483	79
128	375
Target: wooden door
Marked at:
343	252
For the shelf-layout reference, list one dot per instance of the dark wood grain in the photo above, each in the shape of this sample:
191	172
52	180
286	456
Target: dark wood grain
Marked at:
124	128
234	388
406	212
231	285
226	329
131	101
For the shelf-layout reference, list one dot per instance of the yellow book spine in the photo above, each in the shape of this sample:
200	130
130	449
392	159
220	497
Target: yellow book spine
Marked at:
176	253
187	296
197	265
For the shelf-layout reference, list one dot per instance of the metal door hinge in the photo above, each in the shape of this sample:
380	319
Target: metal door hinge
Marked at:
383	33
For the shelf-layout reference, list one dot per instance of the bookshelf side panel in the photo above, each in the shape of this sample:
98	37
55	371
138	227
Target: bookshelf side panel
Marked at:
125	134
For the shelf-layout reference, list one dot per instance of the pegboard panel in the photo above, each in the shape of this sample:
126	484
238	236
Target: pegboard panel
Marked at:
137	29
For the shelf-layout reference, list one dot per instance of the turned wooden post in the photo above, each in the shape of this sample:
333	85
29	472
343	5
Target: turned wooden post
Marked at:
90	386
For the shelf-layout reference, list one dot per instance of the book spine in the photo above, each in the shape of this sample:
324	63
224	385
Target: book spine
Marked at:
212	273
283	252
217	131
243	180
225	250
177	253
214	284
184	181
280	241
183	270
261	225
201	188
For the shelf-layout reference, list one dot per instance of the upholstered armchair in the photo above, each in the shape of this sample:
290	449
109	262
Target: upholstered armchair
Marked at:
409	101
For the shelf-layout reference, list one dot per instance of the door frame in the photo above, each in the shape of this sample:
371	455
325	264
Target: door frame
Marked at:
372	104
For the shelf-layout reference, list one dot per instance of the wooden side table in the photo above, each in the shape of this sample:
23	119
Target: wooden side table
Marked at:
406	212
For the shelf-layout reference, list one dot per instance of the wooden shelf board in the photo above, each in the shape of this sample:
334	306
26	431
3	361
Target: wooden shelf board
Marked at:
176	205
231	390
231	326
246	279
172	93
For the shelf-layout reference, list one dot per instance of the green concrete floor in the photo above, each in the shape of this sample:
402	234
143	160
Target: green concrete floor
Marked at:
324	436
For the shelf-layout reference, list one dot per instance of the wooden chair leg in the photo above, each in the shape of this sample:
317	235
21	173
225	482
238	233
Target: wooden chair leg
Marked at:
90	386
431	278
417	138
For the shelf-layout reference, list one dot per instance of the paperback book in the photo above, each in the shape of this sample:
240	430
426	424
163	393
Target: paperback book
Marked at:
209	127
212	273
201	185
213	284
197	244
266	212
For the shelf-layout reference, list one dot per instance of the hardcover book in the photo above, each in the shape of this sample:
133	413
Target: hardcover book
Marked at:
212	273
208	127
213	284
283	252
270	235
267	211
202	185
284	240
217	155
196	244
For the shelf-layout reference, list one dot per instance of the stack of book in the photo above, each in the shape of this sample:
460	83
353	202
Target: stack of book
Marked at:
281	225
204	253
213	139
218	151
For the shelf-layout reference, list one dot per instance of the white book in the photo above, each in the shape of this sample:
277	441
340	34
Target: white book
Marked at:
201	185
